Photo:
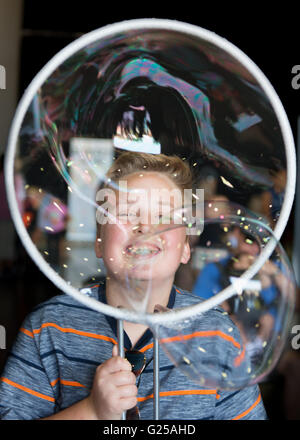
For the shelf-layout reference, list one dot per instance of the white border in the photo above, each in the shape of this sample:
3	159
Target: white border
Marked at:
106	32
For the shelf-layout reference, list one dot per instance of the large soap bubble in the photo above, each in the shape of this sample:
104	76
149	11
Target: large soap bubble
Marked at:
237	342
153	86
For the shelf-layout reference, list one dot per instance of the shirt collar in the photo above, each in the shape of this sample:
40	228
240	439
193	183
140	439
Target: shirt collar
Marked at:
147	336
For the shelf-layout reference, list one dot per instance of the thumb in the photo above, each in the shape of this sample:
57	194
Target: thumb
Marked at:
115	350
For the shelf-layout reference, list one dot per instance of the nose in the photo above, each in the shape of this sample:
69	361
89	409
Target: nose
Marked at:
142	228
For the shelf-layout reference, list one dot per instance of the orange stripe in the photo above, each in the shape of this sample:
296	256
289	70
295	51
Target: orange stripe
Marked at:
54	382
249	409
66	382
27	390
67	330
147	347
179	393
201	335
27	332
178	291
238	360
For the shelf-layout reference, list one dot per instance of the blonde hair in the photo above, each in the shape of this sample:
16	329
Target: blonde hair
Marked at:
130	163
172	166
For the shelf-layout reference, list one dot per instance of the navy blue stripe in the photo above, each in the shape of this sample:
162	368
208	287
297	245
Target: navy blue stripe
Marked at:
31	364
226	398
75	359
66	305
169	367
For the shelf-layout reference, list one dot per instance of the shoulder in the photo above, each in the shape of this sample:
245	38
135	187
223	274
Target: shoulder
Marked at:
62	308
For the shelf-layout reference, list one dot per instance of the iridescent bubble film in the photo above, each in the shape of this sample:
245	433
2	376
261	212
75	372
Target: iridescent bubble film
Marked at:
156	91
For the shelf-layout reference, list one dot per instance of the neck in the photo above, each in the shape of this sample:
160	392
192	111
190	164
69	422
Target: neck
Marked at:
140	296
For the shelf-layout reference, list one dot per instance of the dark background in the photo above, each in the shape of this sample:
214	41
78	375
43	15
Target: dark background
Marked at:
269	38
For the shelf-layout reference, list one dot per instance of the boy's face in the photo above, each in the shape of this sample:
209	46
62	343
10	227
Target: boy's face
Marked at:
140	247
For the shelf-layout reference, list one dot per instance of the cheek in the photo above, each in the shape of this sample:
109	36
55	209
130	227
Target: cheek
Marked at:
175	241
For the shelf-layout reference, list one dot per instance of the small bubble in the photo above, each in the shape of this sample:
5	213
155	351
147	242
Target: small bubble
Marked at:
86	259
65	266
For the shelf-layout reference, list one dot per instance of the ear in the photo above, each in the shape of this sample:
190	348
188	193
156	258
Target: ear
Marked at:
98	247
186	253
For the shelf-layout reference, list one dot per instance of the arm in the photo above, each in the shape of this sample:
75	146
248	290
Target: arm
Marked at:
26	391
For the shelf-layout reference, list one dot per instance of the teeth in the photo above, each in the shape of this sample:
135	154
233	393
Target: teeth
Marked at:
141	251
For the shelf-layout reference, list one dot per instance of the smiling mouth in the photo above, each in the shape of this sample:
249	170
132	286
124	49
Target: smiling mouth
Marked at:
142	250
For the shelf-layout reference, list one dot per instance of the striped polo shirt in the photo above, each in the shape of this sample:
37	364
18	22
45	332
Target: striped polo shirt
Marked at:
59	346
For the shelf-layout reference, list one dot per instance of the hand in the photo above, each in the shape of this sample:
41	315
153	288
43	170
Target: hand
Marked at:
114	389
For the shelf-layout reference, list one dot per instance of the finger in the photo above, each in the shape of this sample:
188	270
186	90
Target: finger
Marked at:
127	391
128	403
123	378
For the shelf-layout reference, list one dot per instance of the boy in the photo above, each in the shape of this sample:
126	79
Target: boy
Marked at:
61	365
